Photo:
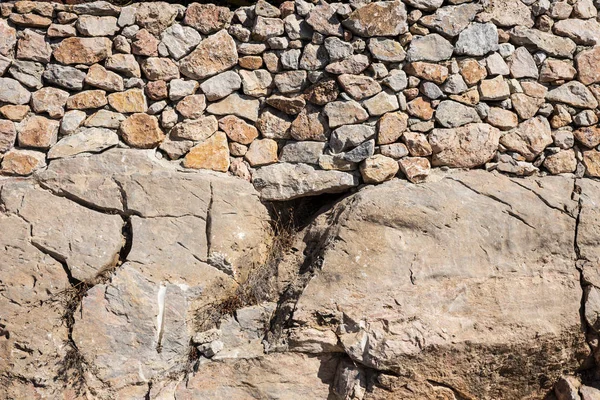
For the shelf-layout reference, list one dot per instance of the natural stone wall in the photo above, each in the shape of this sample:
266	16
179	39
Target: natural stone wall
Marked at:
306	98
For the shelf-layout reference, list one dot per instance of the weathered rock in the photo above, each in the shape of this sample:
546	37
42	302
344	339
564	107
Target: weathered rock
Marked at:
354	64
432	47
324	20
145	44
562	162
238	130
32	46
156	17
141	131
38	132
221	85
101	119
192	106
382	18
588	136
180	40
573	93
196	130
14	113
124	63
178	89
87	140
156	68
386	50
86	51
494	89
451	20
8	135
306	152
553	45
359	86
207	18
49	100
212	153
508	13
290	82
289	181
310	124
465	147
420	108
29	73
213	55
391	126
526	106
585	32
451	114
381	103
416	169
556	70
344	112
256	83
378	169
12	92
89	25
522	64
349	136
86	100
30	20
501	118
262	152
530	138
129	101
236	104
22	162
337	49
99	77
588	65
8	38
431	72
591	161
477	40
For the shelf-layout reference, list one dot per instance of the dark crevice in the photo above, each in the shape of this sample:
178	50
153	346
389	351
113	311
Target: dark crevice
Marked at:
457	394
484	194
78	200
542	199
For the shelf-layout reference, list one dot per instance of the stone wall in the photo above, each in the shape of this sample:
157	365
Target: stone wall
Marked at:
306	98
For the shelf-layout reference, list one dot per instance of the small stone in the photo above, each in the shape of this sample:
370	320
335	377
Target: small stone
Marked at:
394	150
526	106
180	40
256	83
213	154
338	49
129	101
416	169
335	162
314	57
274	124
585	118
23	162
38	132
472	71
86	51
588	136
236	104
360	152
141	131
104	119
157	90
386	50
156	68
262	152
207	18
477	40
14	113
451	20
302	152
588	65
250	62
125	64
391	126
29	73
561	162
266	28
87	99
30	20
8	38
178	89
196	130
8	135
451	114
213	55
417	144
378	169
530	138
324	20
495	89
496	65
428	71
354	64
344	112
573	93
368	21
431	47
192	106
553	45
522	64
90	140
145	44
238	130
89	25
99	77
176	149
502	119
556	70
381	103
49	100
359	86
221	85
321	93
97	8
396	80
297	28
32	46
310	124
264	9
289	105
350	136
71	121
420	108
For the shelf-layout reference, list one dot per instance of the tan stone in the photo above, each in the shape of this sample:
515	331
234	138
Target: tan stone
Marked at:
530	138
141	131
145	44
212	154
588	136
155	16
556	70
420	108
207	18
431	72
417	144
8	39
238	130
196	129
469	146
501	118
534	89
471	71
99	77
470	97
14	113
562	162
33	46
192	106
262	152
23	162
250	62
213	55
591	160
322	92
385	18
588	65
86	51
30	20
39	132
8	135
49	100
130	101
391	126
494	89
416	169
157	90
310	124
87	100
378	168
157	68
526	106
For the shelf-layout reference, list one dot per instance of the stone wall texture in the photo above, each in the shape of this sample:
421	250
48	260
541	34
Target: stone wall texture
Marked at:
333	95
158	241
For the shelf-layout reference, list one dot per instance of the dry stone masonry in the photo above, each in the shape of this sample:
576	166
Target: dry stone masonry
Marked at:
157	235
306	98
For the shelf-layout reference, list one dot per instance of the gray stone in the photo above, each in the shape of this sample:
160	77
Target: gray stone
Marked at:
221	85
451	114
338	49
367	21
477	40
29	73
360	152
86	140
396	80
297	28
451	20
179	88
425	5
322	19
314	57
265	28
236	104
180	40
349	136
496	65
290	82
522	64
354	64
432	47
553	45
89	25
381	103
386	50
290	59
104	119
285	181
585	32
359	86
344	113
302	152
573	93
12	92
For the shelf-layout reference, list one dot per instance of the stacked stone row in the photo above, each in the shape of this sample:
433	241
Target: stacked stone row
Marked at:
382	88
